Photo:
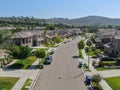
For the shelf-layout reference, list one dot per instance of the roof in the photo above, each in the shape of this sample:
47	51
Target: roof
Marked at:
2	53
117	36
23	34
36	32
26	34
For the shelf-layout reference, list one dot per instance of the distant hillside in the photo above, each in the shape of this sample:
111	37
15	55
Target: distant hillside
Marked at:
90	20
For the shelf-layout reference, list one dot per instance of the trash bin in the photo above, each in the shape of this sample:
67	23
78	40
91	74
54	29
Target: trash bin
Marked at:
88	80
41	66
80	64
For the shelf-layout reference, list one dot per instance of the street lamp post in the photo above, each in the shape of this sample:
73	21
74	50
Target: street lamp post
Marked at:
88	58
89	44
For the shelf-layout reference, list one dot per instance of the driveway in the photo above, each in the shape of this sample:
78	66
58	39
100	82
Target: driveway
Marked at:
63	73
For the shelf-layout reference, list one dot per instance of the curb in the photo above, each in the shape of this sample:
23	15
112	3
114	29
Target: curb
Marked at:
83	71
34	81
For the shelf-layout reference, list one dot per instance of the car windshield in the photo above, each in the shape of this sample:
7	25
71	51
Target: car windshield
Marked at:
47	58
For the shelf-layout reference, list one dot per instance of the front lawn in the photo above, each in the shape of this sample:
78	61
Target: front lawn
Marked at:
90	53
7	83
102	68
114	82
26	63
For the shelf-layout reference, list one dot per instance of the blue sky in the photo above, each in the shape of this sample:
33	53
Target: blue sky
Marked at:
60	8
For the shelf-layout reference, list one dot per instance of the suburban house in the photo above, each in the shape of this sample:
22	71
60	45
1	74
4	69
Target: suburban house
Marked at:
110	39
23	38
28	38
106	35
38	37
113	47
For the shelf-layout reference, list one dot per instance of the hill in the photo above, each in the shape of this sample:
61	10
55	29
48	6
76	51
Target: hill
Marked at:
89	20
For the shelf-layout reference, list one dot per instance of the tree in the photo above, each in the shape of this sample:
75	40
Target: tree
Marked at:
98	52
15	51
40	53
81	44
4	36
96	78
24	52
21	52
57	39
51	27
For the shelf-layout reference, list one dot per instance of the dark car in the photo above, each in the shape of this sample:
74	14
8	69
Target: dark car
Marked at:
48	60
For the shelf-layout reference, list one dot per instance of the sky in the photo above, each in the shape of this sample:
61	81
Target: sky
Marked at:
60	8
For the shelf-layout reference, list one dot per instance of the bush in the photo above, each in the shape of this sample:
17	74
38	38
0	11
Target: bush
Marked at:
81	44
93	63
86	49
93	48
96	79
107	63
20	52
100	64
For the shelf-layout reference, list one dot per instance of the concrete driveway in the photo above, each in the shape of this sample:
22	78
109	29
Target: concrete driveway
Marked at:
63	73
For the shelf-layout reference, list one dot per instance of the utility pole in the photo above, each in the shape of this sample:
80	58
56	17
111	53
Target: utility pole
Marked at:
89	44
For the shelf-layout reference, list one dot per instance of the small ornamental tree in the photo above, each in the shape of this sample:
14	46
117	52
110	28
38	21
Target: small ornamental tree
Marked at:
24	52
81	44
57	39
97	52
96	78
40	53
20	52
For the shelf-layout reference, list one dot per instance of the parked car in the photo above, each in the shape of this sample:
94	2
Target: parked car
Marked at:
106	58
48	60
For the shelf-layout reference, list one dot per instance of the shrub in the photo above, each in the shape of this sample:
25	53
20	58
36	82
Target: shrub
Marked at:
93	63
86	49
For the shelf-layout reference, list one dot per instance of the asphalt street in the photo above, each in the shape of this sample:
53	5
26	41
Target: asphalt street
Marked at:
63	73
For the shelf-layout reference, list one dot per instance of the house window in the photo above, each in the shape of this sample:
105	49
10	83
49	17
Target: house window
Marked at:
23	41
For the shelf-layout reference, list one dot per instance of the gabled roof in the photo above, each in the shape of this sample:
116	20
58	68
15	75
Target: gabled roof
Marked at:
36	32
2	53
23	34
26	34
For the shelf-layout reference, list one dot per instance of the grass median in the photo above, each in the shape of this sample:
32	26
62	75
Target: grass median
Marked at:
27	84
80	54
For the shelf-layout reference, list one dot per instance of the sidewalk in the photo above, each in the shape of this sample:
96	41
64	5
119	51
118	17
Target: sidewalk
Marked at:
35	64
103	83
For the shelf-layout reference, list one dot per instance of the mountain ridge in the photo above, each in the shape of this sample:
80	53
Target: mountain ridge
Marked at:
88	20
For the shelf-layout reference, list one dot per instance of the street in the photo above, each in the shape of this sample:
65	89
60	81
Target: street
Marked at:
63	73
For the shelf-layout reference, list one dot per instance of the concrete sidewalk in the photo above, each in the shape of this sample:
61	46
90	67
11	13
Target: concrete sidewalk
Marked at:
103	83
35	64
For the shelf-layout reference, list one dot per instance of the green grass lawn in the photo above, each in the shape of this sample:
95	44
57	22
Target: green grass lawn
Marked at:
80	54
26	63
102	68
114	82
6	83
90	53
27	83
